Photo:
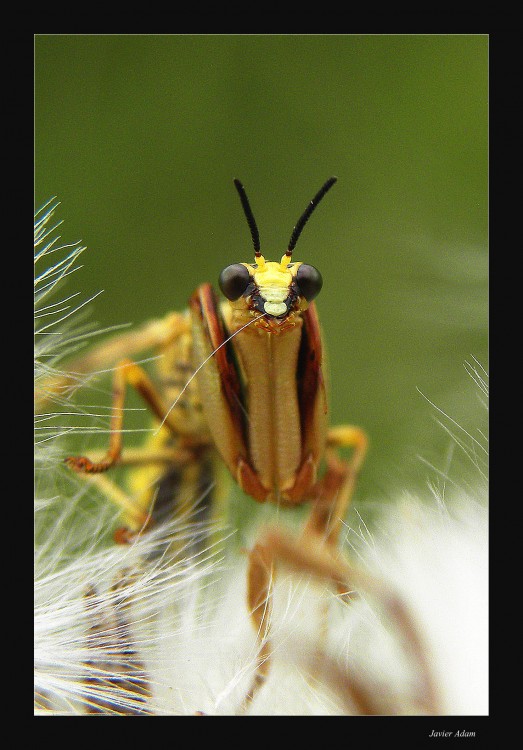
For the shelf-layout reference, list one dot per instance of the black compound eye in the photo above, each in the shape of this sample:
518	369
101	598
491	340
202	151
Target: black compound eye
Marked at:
309	281
234	280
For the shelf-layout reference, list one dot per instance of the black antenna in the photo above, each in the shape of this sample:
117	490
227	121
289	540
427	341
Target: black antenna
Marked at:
306	214
249	216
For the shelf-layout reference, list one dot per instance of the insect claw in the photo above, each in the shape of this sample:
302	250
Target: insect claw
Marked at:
123	535
83	465
79	464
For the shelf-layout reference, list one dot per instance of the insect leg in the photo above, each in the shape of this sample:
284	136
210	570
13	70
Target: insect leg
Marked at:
259	587
311	556
333	493
136	517
155	333
126	373
150	455
331	497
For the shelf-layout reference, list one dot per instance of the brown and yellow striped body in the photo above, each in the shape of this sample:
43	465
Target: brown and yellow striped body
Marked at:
263	395
194	485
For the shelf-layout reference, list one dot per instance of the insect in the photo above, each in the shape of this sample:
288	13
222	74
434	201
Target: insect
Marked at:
239	381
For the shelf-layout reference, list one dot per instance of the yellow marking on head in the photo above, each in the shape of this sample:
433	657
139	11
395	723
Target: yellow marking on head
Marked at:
273	281
272	274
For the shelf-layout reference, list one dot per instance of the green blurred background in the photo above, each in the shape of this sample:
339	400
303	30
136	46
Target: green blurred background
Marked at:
140	136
